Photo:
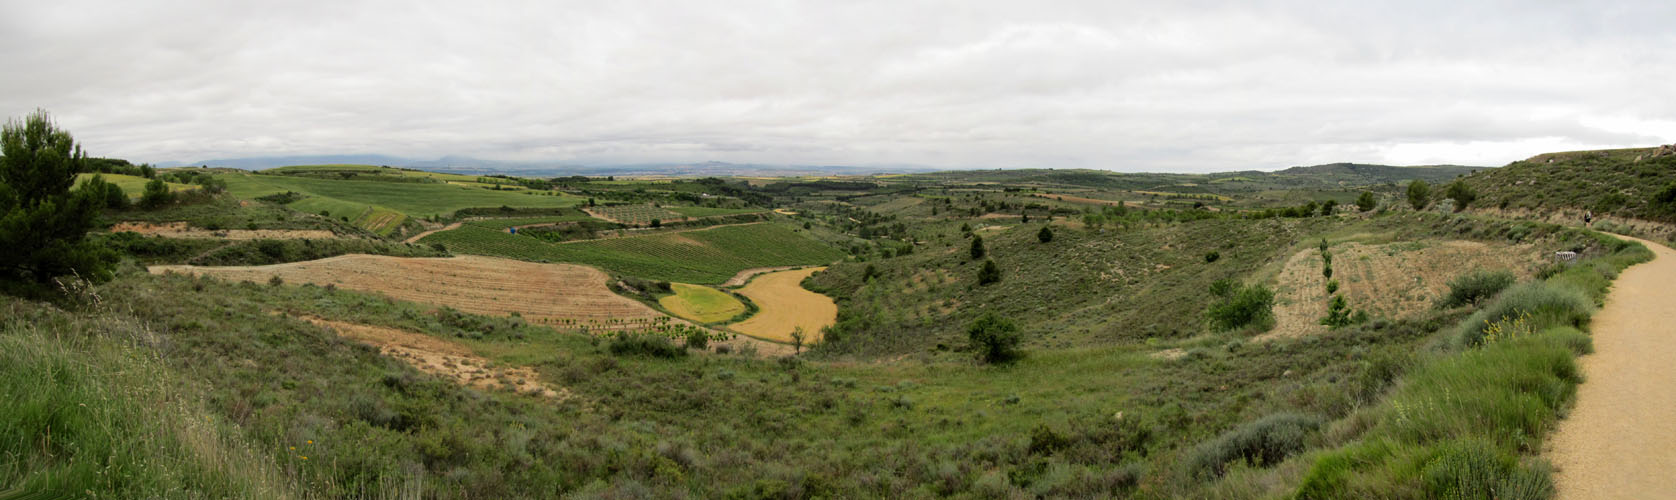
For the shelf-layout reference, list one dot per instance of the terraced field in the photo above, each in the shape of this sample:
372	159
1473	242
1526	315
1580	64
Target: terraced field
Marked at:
634	214
556	294
705	256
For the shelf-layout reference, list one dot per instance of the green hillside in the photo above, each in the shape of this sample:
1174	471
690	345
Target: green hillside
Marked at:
706	256
1620	182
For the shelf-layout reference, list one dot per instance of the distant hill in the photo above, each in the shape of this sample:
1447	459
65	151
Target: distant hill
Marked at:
1365	174
1330	176
472	166
1621	182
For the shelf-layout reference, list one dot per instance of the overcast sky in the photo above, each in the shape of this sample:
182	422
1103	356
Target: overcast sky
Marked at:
1134	86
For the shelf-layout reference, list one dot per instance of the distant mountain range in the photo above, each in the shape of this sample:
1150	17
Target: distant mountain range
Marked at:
464	165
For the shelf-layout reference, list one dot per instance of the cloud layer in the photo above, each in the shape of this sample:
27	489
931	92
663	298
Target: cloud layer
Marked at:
1188	86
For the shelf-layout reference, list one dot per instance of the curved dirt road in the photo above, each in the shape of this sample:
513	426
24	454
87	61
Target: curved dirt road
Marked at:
415	238
1620	439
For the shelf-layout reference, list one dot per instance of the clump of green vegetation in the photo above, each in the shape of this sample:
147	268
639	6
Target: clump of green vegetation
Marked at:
1534	306
1366	202
1419	194
42	222
1045	235
989	273
1241	306
644	344
1261	443
1476	286
995	338
977	251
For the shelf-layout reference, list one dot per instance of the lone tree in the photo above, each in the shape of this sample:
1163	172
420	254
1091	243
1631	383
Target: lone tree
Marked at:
1045	234
1419	194
995	338
1366	201
977	248
990	273
44	226
1462	194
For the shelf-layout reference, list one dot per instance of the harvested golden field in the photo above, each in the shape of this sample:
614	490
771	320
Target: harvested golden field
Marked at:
443	358
785	306
183	230
1393	280
562	295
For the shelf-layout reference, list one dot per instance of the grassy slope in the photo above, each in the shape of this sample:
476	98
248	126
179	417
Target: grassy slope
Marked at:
132	185
706	256
411	199
1070	422
1606	182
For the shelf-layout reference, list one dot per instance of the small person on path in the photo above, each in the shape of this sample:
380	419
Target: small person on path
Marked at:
1588	216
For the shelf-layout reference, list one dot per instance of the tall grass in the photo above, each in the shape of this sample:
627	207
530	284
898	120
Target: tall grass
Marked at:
84	413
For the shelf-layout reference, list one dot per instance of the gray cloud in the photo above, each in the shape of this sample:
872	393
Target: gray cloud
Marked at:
1190	86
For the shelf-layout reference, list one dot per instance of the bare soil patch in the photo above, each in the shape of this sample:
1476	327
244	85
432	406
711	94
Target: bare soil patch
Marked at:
785	306
1394	280
184	230
446	359
565	296
742	277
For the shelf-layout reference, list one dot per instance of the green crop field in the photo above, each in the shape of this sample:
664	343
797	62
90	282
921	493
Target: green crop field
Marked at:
412	199
637	214
525	221
701	303
131	185
705	256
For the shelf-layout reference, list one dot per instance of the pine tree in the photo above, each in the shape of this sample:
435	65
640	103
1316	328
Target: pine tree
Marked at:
977	248
44	226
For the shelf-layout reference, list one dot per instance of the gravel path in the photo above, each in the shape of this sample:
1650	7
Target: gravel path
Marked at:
1620	439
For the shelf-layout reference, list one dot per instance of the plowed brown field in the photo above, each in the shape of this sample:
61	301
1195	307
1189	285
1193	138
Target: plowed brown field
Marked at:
553	294
1395	280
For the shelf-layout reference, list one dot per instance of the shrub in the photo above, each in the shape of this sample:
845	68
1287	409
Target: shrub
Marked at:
995	338
1476	469
1338	313
156	194
1419	194
1045	235
697	338
1546	305
1261	443
977	248
990	273
644	344
1332	286
1212	256
1365	202
1475	286
1240	306
1462	194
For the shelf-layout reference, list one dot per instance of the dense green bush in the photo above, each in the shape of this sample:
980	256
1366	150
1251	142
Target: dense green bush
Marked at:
989	273
1240	306
1475	469
1261	443
644	344
1475	286
995	338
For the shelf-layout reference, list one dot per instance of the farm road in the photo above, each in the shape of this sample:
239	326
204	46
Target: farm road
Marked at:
417	237
1620	439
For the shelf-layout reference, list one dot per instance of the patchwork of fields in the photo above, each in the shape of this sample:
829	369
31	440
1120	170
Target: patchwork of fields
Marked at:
705	256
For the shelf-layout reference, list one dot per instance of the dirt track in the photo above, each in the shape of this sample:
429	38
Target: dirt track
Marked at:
1620	440
415	238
